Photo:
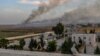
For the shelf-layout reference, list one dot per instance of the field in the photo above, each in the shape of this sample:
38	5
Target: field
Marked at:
4	33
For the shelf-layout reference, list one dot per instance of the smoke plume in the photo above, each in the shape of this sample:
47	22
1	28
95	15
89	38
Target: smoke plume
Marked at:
72	11
65	7
44	6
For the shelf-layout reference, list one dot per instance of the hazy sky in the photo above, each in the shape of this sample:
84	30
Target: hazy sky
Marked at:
12	11
16	11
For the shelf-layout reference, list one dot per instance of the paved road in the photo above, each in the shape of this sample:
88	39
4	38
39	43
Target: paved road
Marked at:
4	52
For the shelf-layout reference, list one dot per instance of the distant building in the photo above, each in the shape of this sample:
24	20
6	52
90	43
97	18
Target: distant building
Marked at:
49	36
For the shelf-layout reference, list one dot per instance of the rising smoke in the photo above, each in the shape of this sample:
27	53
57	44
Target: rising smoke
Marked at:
43	8
75	10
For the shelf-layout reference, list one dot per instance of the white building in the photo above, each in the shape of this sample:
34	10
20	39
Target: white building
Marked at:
88	39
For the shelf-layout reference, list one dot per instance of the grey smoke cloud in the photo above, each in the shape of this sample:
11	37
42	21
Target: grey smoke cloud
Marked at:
74	11
44	6
65	7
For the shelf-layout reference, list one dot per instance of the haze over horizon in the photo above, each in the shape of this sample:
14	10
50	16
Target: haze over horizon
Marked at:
17	11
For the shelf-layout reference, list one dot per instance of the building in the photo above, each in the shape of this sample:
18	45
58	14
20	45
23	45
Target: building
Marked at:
88	39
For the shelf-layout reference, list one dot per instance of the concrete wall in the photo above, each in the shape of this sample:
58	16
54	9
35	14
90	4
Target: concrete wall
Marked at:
4	52
87	38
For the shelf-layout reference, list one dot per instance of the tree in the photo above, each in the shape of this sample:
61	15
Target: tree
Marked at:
58	29
42	41
35	44
80	41
85	50
31	44
4	42
98	38
66	47
92	31
97	50
22	43
51	46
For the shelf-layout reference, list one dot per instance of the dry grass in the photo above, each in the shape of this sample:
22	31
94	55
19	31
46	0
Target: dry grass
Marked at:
18	32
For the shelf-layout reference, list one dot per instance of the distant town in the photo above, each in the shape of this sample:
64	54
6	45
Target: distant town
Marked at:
65	39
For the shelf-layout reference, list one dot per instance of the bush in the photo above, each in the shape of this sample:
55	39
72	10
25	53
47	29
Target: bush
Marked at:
85	50
97	50
42	41
15	47
51	46
31	44
3	43
35	44
66	47
22	43
98	39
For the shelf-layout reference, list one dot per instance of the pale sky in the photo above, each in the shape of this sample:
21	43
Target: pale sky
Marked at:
16	11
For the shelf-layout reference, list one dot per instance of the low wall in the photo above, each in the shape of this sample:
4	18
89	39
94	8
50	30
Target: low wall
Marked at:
4	52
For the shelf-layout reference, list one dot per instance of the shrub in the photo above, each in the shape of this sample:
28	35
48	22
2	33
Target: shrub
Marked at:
66	47
97	50
35	44
4	43
31	44
51	46
22	43
16	47
85	50
42	41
